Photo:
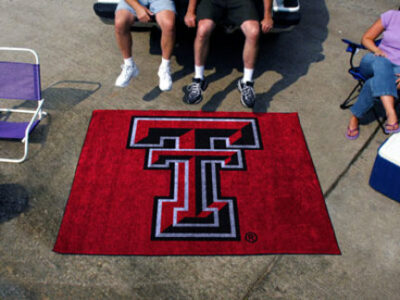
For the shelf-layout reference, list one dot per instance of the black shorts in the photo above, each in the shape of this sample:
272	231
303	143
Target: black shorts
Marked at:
232	12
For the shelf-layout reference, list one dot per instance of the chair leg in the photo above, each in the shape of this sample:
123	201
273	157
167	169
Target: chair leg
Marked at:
25	141
346	103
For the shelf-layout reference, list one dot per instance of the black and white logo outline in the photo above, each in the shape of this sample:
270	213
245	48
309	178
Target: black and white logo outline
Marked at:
213	153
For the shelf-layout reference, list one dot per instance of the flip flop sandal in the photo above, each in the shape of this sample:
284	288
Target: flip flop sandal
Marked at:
350	131
392	130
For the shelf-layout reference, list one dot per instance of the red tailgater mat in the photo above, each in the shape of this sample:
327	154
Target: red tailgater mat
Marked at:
194	183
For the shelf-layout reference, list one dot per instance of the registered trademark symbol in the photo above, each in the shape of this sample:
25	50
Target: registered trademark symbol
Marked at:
251	237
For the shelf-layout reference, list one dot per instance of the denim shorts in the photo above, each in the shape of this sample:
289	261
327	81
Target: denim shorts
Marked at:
155	6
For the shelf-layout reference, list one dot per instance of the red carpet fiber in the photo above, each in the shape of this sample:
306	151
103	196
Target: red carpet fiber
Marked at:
194	183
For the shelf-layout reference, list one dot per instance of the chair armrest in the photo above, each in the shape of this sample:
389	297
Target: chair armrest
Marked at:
351	46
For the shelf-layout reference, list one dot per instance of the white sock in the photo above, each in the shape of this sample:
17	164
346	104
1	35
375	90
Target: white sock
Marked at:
199	72
248	75
129	61
165	63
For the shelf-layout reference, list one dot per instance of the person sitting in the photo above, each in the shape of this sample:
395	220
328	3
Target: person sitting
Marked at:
126	13
242	13
381	67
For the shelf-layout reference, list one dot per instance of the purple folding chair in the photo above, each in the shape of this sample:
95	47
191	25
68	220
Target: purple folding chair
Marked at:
20	81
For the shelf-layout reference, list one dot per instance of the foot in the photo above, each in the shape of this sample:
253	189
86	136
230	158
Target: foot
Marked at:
352	134
248	96
392	128
165	79
195	91
128	72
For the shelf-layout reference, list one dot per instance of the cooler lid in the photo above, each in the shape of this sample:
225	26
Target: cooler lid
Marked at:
390	150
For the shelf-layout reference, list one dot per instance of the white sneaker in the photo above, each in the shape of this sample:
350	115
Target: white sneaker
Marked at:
165	79
128	72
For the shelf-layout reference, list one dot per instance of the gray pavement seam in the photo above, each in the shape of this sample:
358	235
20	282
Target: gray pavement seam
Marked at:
352	162
276	259
263	275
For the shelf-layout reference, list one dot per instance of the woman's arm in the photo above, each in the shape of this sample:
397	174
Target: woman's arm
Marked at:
369	37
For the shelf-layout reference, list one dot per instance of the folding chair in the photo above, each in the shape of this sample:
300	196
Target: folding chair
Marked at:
19	81
354	71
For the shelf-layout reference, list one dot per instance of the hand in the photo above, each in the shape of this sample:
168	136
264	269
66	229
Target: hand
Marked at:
379	52
267	23
144	14
398	81
190	19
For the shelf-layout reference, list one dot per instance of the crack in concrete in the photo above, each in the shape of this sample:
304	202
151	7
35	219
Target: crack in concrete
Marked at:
351	163
263	275
277	259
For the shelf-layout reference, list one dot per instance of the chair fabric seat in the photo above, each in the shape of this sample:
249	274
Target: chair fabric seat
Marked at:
355	72
20	81
15	130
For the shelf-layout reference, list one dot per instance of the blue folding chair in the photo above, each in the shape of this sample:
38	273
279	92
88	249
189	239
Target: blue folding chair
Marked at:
354	71
20	81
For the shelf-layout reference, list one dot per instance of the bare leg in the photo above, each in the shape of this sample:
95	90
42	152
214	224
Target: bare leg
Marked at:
202	41
166	20
251	30
123	21
353	125
388	104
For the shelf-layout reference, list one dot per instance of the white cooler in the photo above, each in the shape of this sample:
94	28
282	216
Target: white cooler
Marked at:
385	175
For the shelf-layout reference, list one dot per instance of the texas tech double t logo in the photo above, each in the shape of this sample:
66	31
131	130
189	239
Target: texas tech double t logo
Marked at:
197	151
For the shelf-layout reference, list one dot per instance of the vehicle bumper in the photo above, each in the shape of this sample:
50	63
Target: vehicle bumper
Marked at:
283	20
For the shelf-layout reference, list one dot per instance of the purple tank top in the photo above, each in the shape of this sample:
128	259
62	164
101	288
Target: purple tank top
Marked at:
391	36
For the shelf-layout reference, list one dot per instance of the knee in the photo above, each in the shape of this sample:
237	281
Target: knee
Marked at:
122	25
203	31
382	63
168	25
252	31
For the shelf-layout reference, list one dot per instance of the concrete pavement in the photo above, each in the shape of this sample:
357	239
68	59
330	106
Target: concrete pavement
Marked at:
302	71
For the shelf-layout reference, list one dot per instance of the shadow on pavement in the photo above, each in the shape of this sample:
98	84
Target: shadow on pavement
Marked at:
63	95
14	200
60	97
289	54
